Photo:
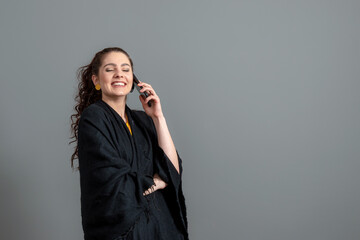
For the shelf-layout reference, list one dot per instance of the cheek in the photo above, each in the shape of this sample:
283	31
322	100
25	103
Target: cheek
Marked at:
105	78
130	78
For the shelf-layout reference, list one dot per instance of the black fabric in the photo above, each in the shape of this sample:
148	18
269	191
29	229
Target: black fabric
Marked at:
116	168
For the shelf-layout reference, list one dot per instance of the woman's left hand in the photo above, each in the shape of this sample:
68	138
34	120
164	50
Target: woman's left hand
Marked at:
158	184
155	110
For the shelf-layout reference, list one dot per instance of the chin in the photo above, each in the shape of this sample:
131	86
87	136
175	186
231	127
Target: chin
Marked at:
121	93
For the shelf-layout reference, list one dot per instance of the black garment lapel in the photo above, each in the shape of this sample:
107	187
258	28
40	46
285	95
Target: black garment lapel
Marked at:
140	138
121	133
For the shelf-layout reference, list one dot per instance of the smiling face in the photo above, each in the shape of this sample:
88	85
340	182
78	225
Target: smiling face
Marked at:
115	76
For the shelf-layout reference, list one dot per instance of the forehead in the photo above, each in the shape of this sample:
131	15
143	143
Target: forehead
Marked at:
117	58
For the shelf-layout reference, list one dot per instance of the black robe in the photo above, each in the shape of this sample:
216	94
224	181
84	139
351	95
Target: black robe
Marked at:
116	168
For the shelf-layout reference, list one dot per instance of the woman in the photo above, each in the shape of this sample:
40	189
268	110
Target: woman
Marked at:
130	172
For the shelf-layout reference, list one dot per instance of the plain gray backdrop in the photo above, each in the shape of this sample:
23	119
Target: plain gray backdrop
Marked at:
261	97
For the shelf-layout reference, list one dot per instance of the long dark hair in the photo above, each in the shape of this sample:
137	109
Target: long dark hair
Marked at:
86	92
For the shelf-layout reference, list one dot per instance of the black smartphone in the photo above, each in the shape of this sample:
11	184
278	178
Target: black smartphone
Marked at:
138	88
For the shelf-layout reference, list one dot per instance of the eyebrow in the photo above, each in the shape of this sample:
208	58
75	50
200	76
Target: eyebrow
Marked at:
114	65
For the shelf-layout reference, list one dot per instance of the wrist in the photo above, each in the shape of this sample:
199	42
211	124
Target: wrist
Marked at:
159	118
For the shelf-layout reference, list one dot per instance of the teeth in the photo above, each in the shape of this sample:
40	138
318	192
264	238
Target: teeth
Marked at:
119	84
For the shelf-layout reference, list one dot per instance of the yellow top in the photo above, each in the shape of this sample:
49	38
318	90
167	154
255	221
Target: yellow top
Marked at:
128	125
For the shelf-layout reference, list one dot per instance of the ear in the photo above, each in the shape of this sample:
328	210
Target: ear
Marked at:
94	79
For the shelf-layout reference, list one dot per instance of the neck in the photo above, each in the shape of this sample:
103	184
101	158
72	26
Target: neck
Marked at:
118	104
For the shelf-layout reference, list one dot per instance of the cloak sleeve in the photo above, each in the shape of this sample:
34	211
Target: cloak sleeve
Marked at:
111	193
167	172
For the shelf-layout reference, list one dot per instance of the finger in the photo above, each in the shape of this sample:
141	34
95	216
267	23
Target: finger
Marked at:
143	84
147	192
152	189
147	93
149	90
144	100
153	98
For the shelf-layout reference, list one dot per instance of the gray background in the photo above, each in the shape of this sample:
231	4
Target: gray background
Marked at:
261	98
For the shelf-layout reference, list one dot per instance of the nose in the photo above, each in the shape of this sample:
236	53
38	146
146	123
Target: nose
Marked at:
119	74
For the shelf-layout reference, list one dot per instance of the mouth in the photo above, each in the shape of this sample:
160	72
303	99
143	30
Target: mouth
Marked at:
118	83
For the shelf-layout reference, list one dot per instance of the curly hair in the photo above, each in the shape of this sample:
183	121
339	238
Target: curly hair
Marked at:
86	92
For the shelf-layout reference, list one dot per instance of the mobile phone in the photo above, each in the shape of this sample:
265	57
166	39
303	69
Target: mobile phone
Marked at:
138	88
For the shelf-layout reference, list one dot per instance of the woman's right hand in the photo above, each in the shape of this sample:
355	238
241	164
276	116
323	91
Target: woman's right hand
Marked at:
158	184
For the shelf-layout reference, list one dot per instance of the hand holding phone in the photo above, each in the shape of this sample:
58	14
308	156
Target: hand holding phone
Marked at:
138	88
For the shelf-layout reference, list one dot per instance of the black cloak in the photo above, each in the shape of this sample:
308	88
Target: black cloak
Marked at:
116	168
